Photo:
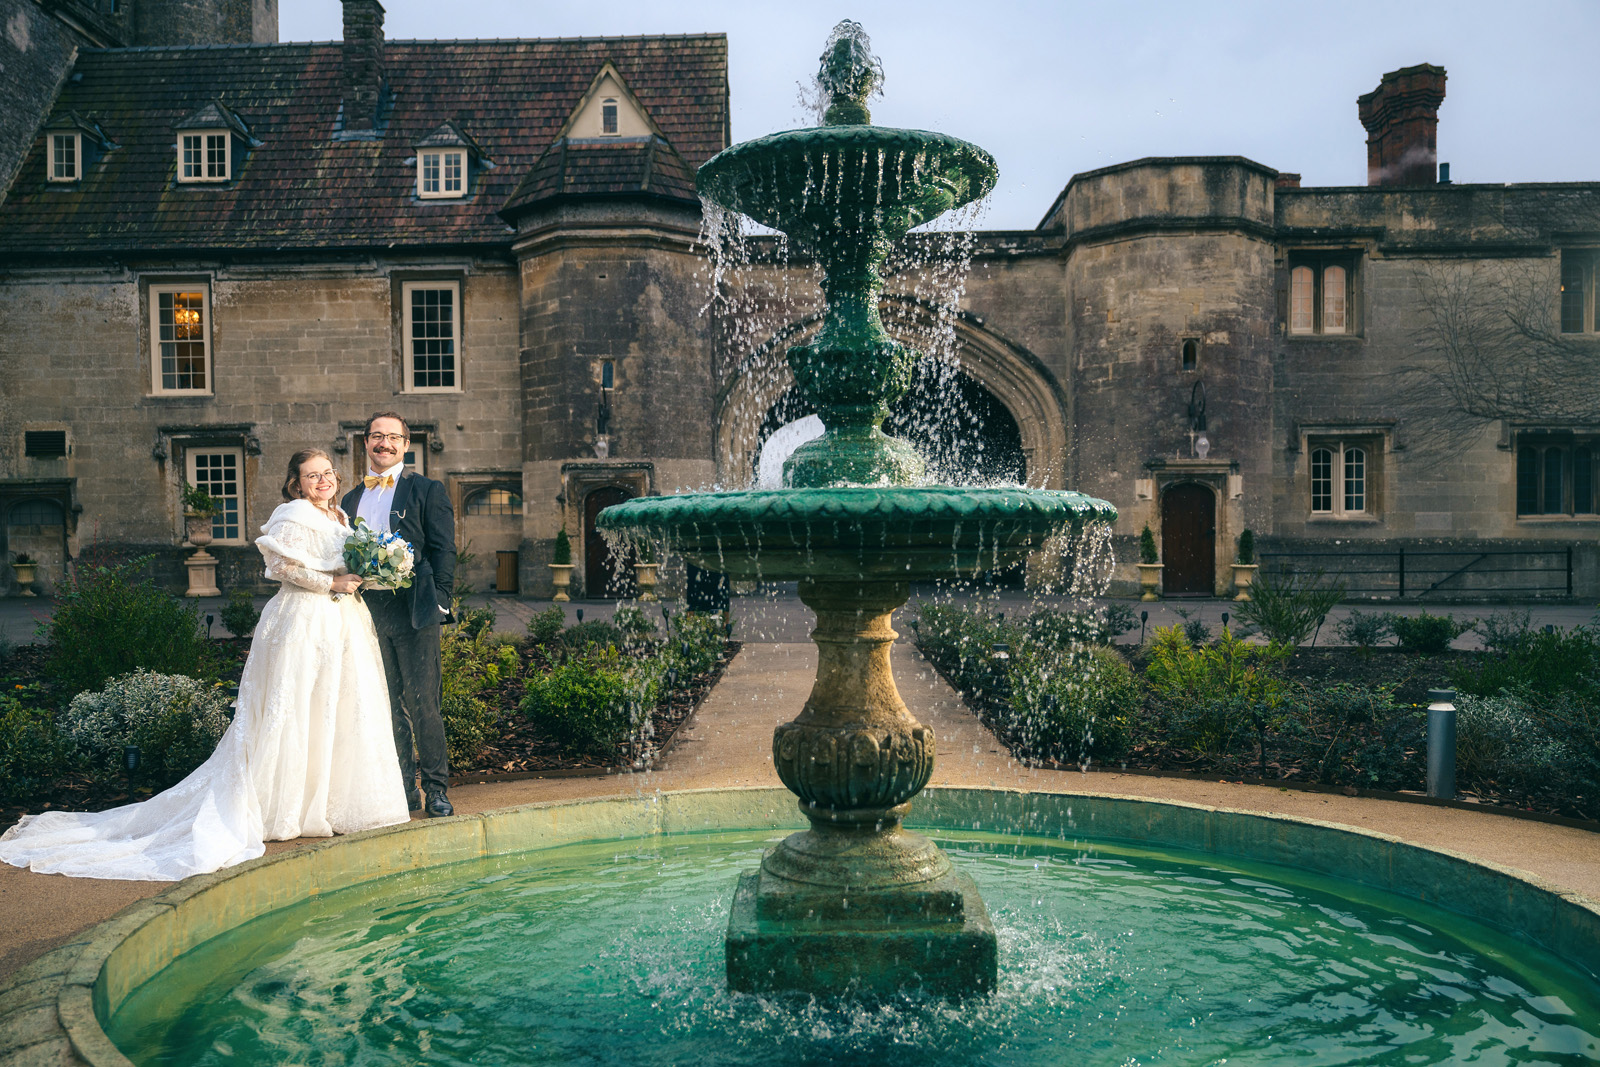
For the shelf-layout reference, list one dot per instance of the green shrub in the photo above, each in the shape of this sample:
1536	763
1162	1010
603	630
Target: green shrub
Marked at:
1051	628
471	665
1506	631
175	720
637	628
1354	735
240	614
475	621
1426	634
1073	709
585	635
546	626
1288	607
111	621
33	753
1195	629
591	705
1501	741
697	643
1548	663
562	552
1229	669
1147	546
1363	629
1247	548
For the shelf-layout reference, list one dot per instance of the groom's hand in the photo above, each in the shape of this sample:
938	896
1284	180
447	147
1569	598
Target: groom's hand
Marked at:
346	583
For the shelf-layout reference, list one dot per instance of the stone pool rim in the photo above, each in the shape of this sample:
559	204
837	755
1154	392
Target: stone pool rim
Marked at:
52	1010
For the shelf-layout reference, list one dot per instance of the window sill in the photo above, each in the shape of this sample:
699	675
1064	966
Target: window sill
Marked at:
1345	520
173	394
1552	520
1335	338
437	390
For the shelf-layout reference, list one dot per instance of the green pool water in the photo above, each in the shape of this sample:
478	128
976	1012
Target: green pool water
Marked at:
612	953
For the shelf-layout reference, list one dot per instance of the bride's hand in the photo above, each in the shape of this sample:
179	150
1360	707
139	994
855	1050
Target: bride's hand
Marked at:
346	583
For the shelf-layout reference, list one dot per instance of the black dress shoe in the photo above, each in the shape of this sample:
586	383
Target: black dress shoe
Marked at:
413	800
439	805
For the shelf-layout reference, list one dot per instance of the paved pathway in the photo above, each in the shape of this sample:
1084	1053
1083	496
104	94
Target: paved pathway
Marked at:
728	743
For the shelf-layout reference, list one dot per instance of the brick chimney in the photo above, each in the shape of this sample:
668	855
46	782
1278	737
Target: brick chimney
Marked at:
1402	120
363	63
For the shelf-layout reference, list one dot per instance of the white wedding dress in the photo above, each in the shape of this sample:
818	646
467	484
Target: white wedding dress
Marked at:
310	752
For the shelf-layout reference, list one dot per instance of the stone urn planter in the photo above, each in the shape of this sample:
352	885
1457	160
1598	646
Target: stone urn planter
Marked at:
561	578
645	575
1149	580
202	564
1244	575
26	572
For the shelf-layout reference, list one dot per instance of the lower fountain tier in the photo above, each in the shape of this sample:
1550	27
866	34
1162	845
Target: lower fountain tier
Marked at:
903	533
792	936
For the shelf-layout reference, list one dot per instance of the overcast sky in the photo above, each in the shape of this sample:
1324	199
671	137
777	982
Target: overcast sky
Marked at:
1052	89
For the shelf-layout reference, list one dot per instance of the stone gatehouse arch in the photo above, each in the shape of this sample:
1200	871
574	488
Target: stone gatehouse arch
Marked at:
1015	376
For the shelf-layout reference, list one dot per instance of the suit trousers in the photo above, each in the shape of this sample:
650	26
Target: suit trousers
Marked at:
411	663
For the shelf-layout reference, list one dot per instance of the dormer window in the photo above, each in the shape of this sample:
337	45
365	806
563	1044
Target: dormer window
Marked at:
442	174
608	117
203	156
447	160
211	143
66	152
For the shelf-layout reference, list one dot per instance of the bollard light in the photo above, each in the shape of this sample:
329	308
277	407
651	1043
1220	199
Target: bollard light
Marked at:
580	614
209	620
1442	743
1000	650
130	758
1144	617
1224	622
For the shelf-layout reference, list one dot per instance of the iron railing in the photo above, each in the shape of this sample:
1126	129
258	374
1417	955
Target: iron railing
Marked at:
1417	573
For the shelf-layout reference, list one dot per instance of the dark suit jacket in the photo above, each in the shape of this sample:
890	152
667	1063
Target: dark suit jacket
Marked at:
421	514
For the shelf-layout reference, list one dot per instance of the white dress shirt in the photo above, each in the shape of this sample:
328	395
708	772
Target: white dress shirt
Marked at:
374	506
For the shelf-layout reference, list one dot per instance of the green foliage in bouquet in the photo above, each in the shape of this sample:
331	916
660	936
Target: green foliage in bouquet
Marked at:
383	559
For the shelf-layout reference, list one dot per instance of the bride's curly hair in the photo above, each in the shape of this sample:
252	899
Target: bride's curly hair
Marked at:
291	481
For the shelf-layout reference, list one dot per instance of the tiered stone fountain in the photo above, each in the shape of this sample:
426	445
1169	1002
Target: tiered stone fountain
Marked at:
856	902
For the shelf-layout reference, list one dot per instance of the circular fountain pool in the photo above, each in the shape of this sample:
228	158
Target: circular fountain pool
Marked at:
1112	952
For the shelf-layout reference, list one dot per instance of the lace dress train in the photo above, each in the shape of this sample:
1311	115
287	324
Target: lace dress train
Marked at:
310	751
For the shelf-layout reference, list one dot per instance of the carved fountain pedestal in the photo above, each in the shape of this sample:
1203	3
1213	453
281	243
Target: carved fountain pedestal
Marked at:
857	902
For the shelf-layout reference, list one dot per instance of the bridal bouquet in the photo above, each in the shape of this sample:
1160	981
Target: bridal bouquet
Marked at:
380	560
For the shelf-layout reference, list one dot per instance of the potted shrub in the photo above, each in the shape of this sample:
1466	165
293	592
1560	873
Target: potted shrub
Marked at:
198	508
25	567
644	570
1149	568
1244	565
561	566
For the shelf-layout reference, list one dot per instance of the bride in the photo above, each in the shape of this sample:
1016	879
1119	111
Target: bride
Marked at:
310	752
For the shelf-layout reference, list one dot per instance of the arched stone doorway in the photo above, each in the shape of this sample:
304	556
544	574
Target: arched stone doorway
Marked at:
1188	540
964	432
605	577
1012	376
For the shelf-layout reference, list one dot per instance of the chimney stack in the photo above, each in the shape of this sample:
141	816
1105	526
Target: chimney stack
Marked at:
1402	120
363	63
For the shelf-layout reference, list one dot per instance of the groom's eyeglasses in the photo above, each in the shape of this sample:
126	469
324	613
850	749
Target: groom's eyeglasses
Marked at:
380	438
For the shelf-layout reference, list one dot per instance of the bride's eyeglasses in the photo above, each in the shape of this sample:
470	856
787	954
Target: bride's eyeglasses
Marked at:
319	477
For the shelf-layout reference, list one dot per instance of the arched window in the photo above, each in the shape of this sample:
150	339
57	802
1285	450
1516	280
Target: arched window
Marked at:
1191	354
1355	479
1302	283
495	502
35	513
1333	296
608	116
1321	479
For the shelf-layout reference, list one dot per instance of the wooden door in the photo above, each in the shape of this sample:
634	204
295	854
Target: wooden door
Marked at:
603	578
1188	541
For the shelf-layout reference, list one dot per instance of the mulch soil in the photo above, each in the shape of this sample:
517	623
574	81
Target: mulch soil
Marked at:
519	751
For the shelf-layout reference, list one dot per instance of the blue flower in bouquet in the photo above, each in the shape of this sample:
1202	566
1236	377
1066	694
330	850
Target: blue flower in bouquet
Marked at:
380	560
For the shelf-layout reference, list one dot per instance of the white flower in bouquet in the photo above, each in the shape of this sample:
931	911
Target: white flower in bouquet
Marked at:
380	560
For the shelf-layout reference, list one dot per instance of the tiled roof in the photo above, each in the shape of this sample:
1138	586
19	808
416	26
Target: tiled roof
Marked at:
304	188
573	167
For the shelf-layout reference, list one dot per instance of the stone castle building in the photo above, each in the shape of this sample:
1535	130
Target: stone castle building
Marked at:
215	249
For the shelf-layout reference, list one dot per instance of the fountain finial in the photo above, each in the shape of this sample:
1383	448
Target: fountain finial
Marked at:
850	75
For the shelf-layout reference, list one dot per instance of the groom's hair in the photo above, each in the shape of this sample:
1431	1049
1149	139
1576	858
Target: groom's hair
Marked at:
395	415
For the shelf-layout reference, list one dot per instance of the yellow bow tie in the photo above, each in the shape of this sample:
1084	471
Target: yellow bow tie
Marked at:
375	481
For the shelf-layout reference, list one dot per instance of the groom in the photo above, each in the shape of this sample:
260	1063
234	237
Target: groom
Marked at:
393	499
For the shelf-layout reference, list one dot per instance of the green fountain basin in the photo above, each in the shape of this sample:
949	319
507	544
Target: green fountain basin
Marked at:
853	179
892	533
64	1002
